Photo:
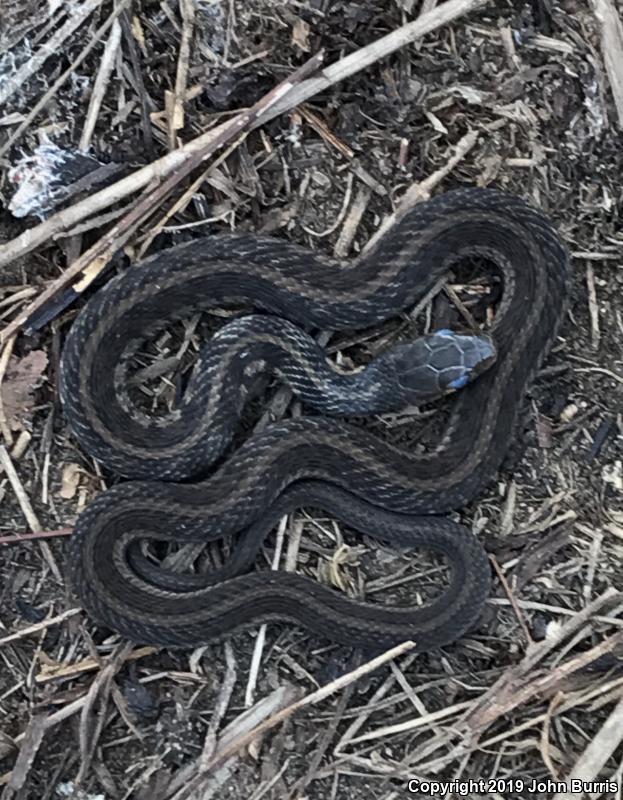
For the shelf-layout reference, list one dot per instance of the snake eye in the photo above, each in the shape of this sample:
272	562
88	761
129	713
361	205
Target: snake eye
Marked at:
459	359
460	382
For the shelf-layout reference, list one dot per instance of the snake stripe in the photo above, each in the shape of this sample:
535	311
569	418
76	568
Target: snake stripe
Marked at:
272	469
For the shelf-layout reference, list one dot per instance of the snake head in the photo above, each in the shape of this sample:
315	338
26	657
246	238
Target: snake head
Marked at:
438	364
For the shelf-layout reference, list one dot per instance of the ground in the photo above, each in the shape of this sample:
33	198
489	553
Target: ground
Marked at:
534	691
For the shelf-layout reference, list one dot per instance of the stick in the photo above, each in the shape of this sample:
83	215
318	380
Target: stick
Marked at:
193	780
29	537
593	308
182	201
27	510
55	43
40	626
381	48
5	357
176	122
612	49
99	33
512	600
101	84
97	256
67	218
260	639
225	752
421	190
589	765
512	690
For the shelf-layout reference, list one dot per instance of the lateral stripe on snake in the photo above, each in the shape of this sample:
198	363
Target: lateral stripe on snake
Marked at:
274	469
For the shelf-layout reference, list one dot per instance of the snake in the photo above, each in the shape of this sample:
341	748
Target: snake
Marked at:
187	485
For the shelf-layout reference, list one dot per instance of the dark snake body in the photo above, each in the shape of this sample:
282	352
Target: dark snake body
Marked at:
369	484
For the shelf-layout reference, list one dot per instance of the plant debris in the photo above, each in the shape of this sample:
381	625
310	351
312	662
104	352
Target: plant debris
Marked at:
22	378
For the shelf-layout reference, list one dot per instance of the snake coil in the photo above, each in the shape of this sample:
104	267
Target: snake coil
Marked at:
366	482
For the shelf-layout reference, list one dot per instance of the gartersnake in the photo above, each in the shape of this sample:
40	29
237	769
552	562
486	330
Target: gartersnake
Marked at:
366	482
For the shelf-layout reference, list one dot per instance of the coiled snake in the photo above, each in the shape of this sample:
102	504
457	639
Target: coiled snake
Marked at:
367	483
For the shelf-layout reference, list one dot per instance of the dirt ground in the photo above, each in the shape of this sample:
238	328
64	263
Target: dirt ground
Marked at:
520	94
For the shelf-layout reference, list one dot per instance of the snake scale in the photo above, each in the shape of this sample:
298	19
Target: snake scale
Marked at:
367	483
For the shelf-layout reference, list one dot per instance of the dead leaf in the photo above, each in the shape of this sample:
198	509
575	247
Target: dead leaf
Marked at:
300	34
22	377
70	481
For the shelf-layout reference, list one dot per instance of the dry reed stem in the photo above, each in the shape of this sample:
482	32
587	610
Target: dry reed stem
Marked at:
351	64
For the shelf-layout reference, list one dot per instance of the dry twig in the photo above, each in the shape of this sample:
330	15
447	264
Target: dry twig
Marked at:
421	190
78	15
612	49
98	255
27	510
192	154
5	357
51	92
39	626
101	84
237	736
590	764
